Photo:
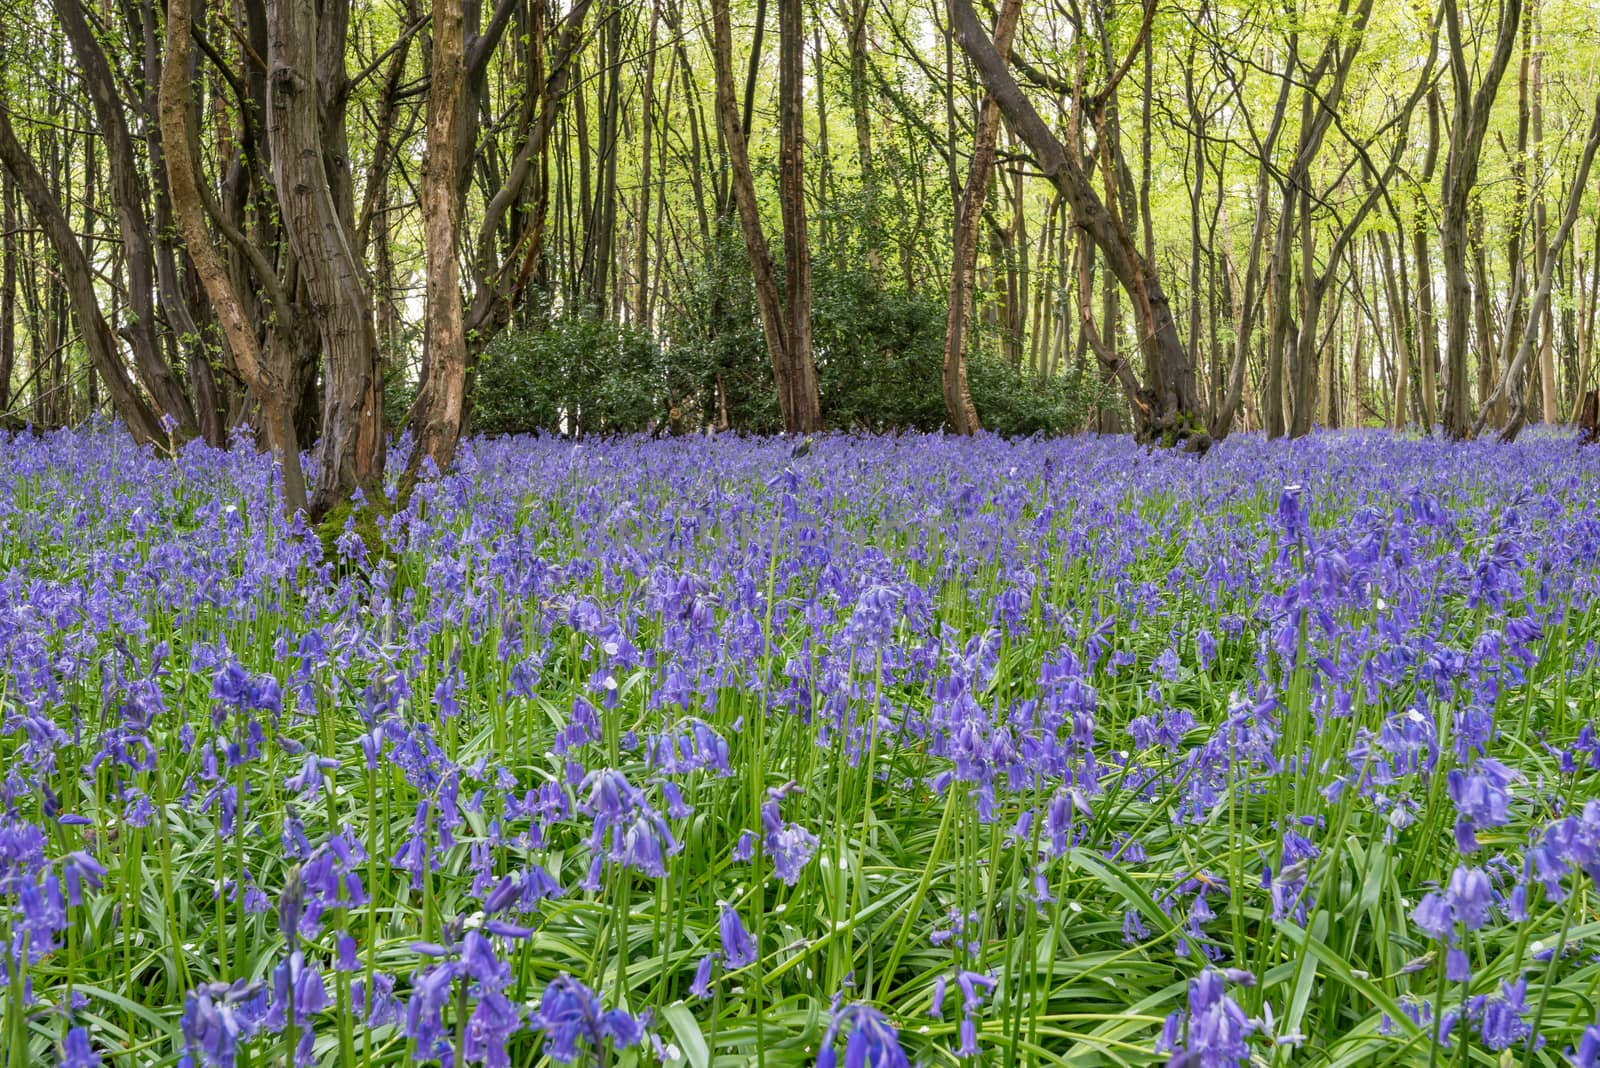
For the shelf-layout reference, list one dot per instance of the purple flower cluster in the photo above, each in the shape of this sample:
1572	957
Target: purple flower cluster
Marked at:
596	744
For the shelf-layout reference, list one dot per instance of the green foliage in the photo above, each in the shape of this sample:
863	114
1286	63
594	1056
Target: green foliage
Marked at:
579	373
718	358
879	350
1014	403
399	393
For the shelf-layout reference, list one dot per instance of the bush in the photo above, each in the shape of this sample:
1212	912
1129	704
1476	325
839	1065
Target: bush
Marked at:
1014	403
716	355
579	374
879	352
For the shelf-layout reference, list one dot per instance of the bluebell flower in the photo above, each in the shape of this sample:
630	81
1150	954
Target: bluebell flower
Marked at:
974	986
493	1021
217	1017
677	807
870	1041
941	984
291	904
431	988
79	870
789	846
413	854
738	950
1502	1023
1482	798
1434	915
1292	512
308	780
1470	896
377	1007
701	986
1213	1028
572	1018
76	1052
299	981
347	960
1587	1055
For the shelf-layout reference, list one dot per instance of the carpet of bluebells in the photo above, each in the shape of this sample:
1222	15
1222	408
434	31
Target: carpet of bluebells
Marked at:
879	752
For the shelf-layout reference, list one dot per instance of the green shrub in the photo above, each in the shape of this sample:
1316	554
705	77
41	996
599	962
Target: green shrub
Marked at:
579	373
879	352
1015	403
716	355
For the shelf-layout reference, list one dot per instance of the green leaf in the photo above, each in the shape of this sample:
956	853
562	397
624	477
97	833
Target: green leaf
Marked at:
686	1029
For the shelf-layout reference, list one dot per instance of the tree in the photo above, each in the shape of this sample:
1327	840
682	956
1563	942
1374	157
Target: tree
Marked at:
129	199
1471	113
333	244
1166	407
787	328
143	421
307	92
442	399
501	269
964	244
268	371
803	411
1509	383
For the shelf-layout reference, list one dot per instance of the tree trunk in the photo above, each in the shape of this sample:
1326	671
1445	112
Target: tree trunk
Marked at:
1472	113
351	450
958	406
271	380
500	284
641	270
1244	323
797	392
8	289
1427	328
1399	326
1170	412
1483	301
441	400
1588	306
128	198
1550	397
863	126
807	413
1520	217
79	284
599	232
